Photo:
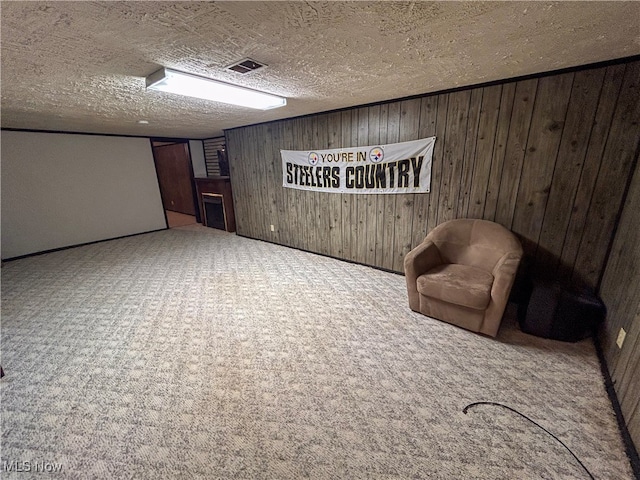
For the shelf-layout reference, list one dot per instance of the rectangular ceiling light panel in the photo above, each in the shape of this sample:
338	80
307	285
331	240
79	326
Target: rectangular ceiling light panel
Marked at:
172	81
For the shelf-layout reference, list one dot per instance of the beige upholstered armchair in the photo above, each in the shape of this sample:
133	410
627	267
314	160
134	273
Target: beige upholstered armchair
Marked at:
462	273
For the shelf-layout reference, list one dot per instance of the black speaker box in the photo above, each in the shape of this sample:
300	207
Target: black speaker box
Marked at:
559	312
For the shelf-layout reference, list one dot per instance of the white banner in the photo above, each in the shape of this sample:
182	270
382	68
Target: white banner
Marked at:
395	168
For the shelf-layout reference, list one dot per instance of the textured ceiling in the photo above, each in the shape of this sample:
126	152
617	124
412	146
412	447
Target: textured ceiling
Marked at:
80	66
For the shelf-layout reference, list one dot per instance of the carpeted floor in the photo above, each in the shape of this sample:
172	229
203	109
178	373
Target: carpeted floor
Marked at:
193	353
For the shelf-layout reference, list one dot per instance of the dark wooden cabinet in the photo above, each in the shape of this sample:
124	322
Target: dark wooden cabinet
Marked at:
219	186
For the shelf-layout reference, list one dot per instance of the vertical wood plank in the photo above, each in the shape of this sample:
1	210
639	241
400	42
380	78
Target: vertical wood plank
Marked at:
382	223
593	159
427	128
235	174
470	144
619	153
499	150
311	221
321	142
257	222
353	199
349	212
250	150
261	131
573	147
360	200
282	227
457	118
273	177
514	155
409	129
438	159
484	150
292	196
334	200
393	132
273	146
373	219
301	204
255	191
545	133
244	195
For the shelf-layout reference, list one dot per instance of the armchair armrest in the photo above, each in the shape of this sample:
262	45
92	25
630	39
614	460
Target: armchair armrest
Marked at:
422	258
503	276
418	261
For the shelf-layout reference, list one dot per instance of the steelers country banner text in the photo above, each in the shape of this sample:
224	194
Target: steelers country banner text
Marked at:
395	168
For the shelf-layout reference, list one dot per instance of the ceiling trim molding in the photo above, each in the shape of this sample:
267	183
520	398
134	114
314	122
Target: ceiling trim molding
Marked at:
67	132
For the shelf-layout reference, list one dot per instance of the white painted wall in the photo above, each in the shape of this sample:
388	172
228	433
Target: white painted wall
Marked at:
197	158
66	189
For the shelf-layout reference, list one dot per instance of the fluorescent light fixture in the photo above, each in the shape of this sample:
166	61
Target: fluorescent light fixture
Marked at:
172	81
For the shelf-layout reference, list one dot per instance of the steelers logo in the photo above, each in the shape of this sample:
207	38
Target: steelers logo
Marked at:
313	158
376	154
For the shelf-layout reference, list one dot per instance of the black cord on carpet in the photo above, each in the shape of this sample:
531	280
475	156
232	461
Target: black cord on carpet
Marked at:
471	405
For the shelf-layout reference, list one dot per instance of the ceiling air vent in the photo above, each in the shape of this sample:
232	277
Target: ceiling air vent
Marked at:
245	66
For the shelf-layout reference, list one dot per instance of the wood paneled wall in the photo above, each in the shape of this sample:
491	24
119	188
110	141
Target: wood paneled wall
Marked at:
546	157
621	293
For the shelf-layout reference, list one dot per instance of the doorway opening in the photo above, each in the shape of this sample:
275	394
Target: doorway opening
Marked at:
176	181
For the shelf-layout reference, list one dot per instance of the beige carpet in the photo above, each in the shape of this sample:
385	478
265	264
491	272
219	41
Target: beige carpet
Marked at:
196	354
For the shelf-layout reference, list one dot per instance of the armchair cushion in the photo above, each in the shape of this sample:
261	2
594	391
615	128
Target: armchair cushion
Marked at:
458	284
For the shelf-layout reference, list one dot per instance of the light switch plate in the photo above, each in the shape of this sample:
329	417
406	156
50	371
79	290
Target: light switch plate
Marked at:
272	228
621	335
